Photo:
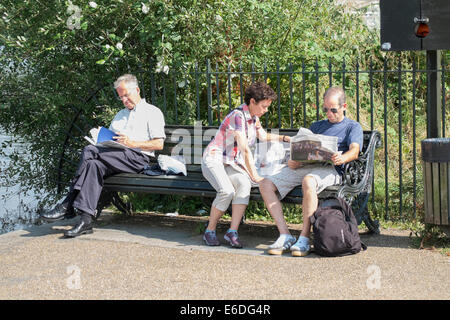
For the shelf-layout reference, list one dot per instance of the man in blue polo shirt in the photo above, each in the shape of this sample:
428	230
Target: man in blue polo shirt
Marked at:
312	177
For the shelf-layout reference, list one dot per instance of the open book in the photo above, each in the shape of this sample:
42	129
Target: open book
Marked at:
104	137
309	147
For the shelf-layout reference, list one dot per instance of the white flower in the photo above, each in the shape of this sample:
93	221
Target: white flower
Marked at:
92	4
160	67
145	9
119	46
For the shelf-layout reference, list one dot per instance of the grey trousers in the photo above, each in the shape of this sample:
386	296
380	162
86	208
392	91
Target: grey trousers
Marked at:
96	164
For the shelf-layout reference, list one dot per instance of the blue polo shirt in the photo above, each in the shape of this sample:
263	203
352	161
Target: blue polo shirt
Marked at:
348	131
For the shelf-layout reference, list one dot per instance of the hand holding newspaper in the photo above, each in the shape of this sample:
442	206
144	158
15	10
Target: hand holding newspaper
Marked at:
309	147
103	137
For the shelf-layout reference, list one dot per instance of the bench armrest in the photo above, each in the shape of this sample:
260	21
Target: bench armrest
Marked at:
357	176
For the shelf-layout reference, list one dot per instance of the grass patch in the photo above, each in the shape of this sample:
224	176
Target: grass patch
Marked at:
423	235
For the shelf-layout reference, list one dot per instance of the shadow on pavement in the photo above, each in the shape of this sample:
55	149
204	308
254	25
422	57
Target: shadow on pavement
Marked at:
188	230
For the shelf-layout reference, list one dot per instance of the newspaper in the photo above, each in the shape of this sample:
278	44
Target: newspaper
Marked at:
309	147
103	137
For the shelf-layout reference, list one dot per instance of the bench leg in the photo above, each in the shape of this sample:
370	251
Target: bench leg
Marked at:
111	197
362	213
104	201
372	225
123	207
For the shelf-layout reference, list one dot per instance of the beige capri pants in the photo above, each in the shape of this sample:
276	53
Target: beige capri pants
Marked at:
232	185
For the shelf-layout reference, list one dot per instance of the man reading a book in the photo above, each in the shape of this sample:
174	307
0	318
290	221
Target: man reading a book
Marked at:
140	128
312	177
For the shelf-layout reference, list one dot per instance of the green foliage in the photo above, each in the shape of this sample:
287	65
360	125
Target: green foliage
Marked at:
76	41
425	236
55	55
167	203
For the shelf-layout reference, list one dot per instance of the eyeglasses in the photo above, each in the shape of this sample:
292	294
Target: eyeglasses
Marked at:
126	95
334	110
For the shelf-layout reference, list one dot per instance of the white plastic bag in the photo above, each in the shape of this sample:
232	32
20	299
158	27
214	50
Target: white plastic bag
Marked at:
174	164
271	157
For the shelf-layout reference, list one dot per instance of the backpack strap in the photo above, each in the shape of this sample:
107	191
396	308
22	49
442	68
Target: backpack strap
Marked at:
335	207
345	207
313	218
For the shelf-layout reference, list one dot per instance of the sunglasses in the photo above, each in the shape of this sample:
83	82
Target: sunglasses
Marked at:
334	110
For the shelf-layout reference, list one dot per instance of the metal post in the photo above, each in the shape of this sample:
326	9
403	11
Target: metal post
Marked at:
197	94
209	91
241	83
218	93
175	95
434	102
316	68
278	95
291	101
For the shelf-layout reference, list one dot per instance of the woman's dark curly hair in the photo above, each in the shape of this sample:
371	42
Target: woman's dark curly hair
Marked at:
259	91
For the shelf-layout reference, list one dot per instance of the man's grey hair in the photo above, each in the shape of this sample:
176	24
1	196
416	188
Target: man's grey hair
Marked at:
129	79
335	91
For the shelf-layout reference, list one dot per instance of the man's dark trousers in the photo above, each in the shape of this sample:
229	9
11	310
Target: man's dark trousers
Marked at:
97	163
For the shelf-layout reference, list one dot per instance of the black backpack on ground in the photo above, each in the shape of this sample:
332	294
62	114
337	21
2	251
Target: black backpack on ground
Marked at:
335	229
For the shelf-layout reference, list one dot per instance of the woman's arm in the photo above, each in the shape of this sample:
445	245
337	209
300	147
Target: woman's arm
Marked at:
264	136
248	157
277	137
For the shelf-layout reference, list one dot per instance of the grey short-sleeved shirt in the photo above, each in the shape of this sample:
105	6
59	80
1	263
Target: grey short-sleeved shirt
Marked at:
145	122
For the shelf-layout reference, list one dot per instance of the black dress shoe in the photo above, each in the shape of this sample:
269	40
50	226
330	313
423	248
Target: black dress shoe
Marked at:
59	212
81	228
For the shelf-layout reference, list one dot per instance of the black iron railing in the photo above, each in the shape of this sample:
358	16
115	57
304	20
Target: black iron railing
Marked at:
387	95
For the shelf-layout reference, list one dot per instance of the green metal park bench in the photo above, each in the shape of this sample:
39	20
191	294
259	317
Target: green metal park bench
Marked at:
356	186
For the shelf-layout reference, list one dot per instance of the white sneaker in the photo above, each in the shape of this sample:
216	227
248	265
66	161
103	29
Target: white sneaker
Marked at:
301	248
283	244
